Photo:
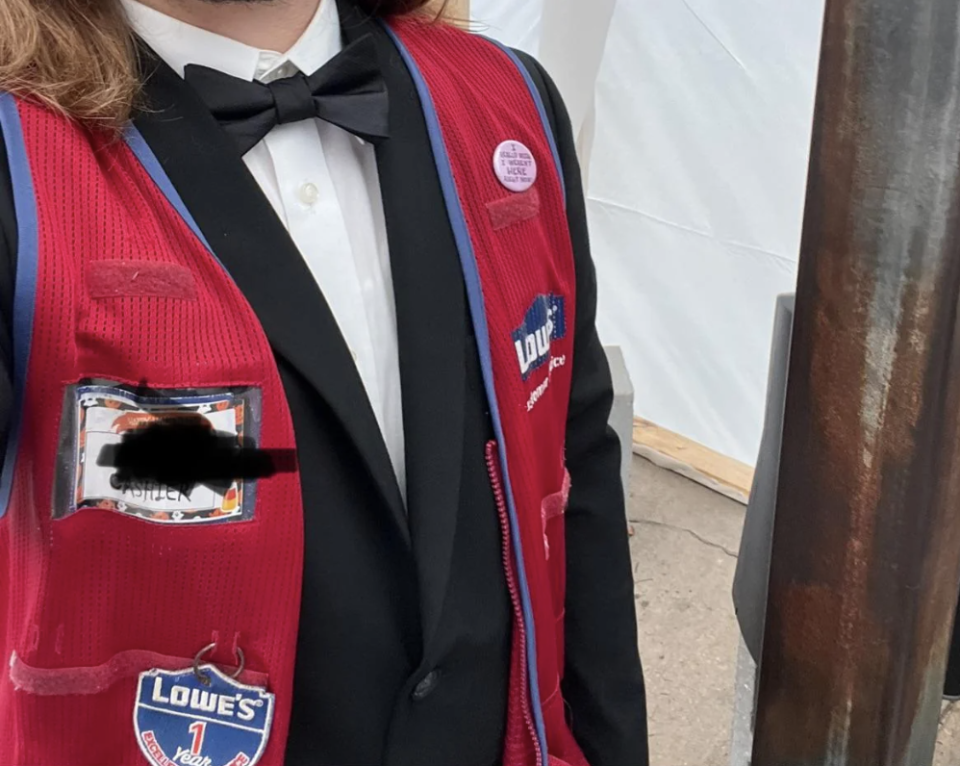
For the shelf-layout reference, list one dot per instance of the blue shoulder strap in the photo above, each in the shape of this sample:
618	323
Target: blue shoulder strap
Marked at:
25	289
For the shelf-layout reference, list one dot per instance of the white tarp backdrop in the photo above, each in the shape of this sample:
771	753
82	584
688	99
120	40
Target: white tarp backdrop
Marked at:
696	184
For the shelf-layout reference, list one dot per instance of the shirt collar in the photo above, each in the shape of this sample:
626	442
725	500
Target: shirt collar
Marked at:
179	44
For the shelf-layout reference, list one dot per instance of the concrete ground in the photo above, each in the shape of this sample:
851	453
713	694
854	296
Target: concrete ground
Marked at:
685	542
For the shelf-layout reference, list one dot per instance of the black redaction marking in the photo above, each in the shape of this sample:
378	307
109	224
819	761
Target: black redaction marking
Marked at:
184	452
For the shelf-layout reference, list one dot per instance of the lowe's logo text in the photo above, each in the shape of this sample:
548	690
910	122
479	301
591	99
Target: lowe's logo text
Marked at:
545	322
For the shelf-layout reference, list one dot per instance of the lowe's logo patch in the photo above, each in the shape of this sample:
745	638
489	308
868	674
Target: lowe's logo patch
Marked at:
545	322
201	718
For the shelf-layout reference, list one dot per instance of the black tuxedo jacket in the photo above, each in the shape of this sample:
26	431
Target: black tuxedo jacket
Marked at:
404	634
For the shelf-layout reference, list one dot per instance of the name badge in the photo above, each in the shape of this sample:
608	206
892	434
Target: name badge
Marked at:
98	417
200	717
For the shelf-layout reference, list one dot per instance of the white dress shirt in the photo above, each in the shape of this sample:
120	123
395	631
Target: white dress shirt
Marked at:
322	182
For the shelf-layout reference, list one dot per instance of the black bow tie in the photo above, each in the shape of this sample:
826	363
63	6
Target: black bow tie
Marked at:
348	91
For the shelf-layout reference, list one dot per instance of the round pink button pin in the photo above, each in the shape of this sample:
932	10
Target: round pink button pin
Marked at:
515	166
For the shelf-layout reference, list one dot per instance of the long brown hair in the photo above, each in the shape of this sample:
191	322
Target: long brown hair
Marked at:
79	56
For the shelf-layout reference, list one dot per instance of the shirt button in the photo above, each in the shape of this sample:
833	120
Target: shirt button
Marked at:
427	686
309	194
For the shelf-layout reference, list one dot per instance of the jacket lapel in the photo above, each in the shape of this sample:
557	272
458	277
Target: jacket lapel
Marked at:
432	323
255	248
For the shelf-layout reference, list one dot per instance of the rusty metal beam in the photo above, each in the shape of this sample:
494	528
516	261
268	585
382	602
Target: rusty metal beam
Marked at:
866	559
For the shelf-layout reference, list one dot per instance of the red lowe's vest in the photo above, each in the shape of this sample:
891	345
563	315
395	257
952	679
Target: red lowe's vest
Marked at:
115	285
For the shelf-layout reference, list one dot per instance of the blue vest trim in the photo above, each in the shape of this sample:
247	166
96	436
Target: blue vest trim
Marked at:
25	289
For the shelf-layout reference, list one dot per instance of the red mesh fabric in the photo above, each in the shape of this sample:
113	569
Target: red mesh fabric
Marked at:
529	257
81	591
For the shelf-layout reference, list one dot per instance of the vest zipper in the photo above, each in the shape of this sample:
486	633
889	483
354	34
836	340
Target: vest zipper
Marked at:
493	469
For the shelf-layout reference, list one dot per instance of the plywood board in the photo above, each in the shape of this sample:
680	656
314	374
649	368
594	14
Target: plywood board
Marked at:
694	461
